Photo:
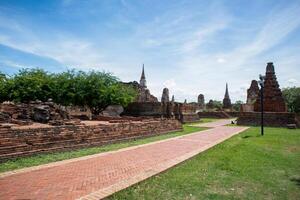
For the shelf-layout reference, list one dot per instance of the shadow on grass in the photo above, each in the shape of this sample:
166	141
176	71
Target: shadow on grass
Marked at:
251	136
296	181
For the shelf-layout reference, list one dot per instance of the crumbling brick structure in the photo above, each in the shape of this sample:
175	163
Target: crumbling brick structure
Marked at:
273	99
19	141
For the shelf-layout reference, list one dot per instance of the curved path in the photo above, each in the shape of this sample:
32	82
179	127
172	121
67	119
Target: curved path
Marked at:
98	176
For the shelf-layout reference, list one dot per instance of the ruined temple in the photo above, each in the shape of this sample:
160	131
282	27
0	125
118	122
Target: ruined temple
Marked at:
273	99
252	92
165	96
201	102
143	93
226	100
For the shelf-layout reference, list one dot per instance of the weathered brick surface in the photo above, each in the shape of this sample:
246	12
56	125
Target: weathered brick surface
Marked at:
16	142
273	98
218	114
275	119
98	176
190	117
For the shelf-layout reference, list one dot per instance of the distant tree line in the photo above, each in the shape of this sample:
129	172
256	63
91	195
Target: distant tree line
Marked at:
292	98
218	105
94	89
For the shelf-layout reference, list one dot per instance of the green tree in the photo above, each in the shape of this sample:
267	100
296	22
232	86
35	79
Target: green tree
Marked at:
237	105
94	89
105	89
292	98
4	81
214	104
29	84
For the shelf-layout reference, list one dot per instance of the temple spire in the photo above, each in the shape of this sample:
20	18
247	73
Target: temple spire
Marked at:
226	100
226	91
143	79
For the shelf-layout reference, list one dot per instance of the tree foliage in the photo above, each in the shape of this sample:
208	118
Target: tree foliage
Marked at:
3	87
292	98
214	104
237	105
94	89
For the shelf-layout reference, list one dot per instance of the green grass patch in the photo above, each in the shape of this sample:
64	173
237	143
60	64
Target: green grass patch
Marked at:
52	157
247	166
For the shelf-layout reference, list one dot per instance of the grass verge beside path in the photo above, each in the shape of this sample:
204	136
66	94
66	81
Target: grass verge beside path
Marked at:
58	156
247	166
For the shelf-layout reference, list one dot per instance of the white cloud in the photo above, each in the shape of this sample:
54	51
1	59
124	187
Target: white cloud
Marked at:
170	83
13	64
292	82
221	60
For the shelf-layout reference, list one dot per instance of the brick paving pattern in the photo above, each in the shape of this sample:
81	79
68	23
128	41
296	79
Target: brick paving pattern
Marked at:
97	176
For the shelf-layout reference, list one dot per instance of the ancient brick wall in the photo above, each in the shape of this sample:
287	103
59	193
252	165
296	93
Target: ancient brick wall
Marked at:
192	117
18	142
218	114
144	109
275	119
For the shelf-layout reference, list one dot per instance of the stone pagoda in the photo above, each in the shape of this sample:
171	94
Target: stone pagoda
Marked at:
226	100
273	99
252	92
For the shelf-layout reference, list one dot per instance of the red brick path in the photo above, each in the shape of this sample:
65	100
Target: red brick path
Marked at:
97	176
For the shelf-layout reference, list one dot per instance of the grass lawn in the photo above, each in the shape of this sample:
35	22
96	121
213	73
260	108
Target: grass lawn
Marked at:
247	166
52	157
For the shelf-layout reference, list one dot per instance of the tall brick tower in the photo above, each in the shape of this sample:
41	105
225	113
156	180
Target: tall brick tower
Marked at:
273	99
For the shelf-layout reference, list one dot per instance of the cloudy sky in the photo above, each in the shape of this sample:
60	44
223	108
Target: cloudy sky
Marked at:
191	47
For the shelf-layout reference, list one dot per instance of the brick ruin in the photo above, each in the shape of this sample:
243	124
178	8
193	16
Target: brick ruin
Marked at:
274	106
252	95
34	111
19	141
252	92
180	111
150	107
36	127
273	99
274	119
218	114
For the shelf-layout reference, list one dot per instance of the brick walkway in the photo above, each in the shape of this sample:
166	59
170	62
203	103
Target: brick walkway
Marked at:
216	123
97	176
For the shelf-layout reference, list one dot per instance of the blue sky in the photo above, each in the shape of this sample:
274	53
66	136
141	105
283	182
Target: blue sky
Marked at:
191	47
